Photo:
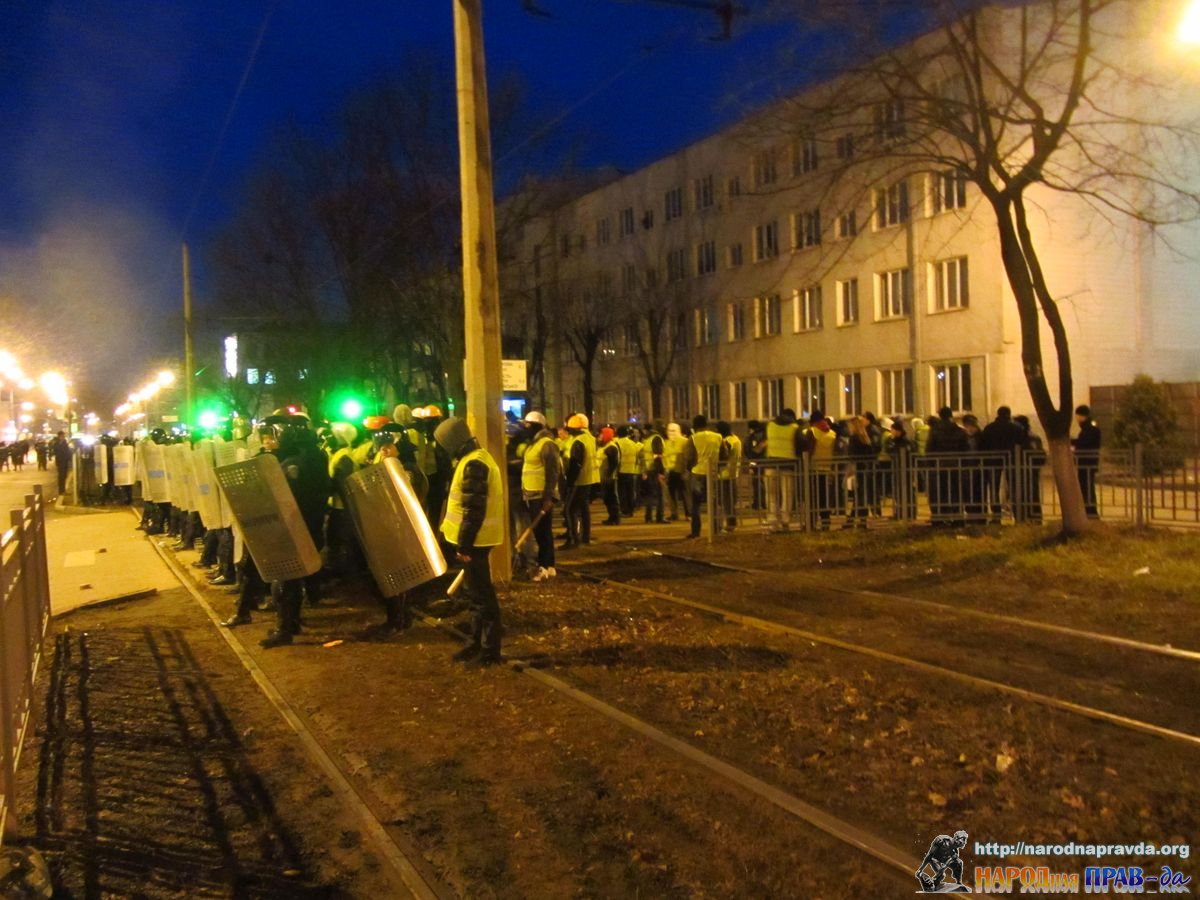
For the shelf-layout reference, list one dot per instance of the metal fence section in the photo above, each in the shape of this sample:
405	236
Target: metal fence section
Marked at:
24	618
947	489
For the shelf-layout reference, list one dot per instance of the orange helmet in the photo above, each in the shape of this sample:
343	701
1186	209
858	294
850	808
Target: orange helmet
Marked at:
433	411
579	421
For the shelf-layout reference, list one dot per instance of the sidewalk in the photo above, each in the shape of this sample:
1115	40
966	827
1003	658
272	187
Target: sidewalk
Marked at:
96	556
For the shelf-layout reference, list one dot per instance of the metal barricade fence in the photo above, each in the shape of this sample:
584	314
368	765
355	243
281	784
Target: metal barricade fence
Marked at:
948	489
24	619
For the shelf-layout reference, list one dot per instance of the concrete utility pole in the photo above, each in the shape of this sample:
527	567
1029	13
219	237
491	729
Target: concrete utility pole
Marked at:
481	282
189	367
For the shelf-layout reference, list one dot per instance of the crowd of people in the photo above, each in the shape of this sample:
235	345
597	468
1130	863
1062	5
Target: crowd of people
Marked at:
633	470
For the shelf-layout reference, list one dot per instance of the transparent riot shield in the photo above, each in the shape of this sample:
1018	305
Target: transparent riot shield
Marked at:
269	519
156	473
400	546
100	462
207	495
123	470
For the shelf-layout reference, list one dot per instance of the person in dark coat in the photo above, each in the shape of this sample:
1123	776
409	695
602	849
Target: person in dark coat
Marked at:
1087	458
1001	435
1030	507
63	454
945	481
901	451
973	474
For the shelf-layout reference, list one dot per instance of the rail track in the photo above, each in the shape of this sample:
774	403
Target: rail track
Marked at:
1169	680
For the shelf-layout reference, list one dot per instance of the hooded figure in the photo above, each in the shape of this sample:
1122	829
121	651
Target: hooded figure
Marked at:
474	524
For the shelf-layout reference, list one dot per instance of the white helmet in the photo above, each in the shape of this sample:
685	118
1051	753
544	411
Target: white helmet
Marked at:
535	418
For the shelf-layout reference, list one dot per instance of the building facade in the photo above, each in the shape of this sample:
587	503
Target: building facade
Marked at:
778	280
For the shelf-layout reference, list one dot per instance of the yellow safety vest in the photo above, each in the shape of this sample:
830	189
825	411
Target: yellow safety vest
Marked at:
733	461
533	469
708	452
590	473
630	452
491	533
648	452
335	499
673	448
361	454
824	443
781	440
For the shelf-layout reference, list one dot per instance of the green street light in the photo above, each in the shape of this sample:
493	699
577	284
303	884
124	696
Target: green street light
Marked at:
351	409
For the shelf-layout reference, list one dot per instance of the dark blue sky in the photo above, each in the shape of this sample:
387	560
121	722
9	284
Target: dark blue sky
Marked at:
112	111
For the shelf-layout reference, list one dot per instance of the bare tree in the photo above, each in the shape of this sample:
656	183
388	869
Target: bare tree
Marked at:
1055	96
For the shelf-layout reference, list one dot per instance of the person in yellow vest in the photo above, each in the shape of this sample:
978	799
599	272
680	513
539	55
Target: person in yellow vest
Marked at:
820	443
703	457
631	467
654	474
474	524
345	554
583	474
540	468
609	461
432	462
731	470
780	472
674	462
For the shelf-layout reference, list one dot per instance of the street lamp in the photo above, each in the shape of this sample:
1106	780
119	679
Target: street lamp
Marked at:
1189	28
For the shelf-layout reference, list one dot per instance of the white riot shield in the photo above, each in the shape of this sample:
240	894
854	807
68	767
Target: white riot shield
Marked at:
100	461
225	453
156	473
269	519
207	496
176	486
123	472
400	546
252	443
188	474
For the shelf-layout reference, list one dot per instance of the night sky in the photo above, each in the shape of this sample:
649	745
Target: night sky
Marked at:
112	112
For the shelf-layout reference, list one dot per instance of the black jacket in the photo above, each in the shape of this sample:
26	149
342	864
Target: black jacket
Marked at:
1002	435
307	471
946	437
1088	441
474	500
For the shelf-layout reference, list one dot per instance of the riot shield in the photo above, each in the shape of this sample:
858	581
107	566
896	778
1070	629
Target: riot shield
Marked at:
225	453
100	461
401	548
156	473
176	456
207	496
269	519
122	465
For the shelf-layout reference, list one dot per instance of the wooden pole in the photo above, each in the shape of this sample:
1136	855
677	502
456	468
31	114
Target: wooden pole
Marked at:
481	283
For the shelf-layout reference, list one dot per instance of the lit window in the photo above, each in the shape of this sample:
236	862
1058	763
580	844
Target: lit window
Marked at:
952	386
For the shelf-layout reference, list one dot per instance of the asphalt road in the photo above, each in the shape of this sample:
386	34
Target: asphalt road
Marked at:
15	485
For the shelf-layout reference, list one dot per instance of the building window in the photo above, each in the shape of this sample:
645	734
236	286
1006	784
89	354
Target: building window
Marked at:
950	284
847	224
851	393
268	377
629	278
845	147
896	392
676	265
812	394
706	327
771	390
769	316
252	376
702	192
847	300
737	320
648	220
604	284
679	331
889	120
891	205
949	191
766	241
952	386
633	405
626	221
806	229
603	231
679	401
765	168
734	255
629	339
739	393
564	248
733	187
808	309
710	400
706	258
673	204
894	289
804	156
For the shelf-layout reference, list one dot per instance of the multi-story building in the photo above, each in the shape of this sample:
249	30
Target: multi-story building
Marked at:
751	272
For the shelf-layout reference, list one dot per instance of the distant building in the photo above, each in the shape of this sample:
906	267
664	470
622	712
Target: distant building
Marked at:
783	285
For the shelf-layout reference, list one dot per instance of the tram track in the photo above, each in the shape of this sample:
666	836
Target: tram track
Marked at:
1169	702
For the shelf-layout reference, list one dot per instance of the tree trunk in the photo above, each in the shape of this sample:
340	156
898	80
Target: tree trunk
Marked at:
589	405
655	402
1066	481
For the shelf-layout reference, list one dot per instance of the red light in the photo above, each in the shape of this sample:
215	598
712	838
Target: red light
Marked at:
293	410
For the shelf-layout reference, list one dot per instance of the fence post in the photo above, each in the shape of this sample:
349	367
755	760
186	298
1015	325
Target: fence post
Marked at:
1139	487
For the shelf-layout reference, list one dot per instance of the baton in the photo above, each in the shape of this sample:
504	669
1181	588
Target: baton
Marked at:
525	536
